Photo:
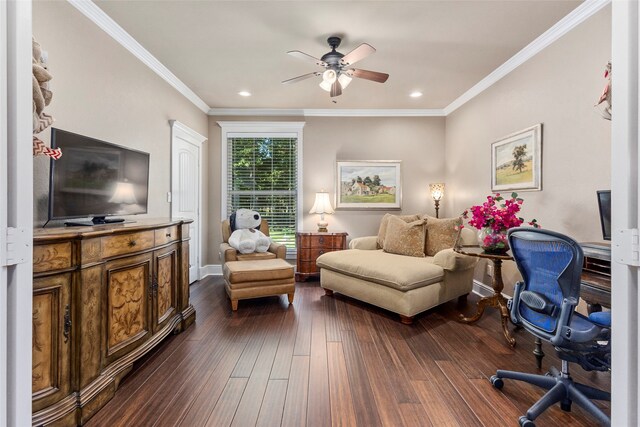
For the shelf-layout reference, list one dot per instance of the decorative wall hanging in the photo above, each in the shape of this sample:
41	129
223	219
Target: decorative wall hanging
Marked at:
516	161
41	98
604	102
368	184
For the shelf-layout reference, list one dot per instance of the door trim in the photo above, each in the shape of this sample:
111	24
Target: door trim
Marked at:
181	131
16	210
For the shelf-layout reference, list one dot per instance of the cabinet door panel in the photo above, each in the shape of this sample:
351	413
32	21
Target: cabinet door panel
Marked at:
127	308
166	267
51	340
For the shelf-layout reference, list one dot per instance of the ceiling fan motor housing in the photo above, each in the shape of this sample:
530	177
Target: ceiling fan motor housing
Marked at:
332	59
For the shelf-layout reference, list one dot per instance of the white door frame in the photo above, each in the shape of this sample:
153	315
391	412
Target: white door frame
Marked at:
625	298
179	130
16	213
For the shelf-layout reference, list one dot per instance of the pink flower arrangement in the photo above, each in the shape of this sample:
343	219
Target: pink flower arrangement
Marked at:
495	217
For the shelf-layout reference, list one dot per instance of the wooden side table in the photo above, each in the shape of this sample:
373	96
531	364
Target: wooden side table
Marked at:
496	300
310	246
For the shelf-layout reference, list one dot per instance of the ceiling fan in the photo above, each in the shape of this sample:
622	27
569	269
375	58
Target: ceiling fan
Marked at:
338	72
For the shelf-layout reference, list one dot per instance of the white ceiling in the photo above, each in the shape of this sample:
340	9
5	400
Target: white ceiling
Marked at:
441	48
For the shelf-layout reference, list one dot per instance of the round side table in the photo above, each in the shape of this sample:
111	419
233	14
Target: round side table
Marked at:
496	300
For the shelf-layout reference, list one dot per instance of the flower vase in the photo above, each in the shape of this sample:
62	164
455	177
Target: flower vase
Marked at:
493	242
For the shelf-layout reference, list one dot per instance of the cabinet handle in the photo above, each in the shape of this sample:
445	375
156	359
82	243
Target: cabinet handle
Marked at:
67	324
321	251
168	235
321	239
153	287
132	243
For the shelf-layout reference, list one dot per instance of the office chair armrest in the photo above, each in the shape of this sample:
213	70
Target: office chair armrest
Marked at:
565	333
279	249
513	304
227	253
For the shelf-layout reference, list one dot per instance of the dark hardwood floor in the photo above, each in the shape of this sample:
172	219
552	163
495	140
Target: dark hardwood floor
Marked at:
332	361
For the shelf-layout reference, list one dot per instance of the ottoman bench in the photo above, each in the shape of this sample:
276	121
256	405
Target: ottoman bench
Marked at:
253	279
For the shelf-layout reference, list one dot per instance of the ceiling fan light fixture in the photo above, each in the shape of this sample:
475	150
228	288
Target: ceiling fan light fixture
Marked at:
329	76
344	80
325	85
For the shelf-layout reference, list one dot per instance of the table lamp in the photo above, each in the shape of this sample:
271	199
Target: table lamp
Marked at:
437	191
322	206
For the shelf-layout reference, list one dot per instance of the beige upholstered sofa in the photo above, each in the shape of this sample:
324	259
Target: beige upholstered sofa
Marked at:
406	285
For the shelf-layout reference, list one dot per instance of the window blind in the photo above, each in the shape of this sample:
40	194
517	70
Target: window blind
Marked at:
262	174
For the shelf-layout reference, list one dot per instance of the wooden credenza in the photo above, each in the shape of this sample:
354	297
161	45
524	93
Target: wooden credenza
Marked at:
310	245
103	296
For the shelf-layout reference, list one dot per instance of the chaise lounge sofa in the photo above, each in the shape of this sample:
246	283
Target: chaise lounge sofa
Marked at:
406	285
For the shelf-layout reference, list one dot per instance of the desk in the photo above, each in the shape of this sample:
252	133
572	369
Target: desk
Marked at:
595	289
497	299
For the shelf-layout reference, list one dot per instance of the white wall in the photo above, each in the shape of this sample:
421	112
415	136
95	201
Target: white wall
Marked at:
102	91
558	88
417	141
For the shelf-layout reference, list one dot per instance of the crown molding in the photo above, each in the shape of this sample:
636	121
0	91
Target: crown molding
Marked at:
562	27
111	27
326	112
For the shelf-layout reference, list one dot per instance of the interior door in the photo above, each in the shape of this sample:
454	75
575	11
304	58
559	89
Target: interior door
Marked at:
185	192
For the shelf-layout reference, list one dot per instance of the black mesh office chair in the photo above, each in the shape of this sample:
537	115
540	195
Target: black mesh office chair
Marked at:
544	304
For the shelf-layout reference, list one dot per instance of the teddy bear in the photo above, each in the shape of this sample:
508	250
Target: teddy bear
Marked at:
246	237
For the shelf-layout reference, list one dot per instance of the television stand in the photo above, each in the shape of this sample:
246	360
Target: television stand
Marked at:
96	220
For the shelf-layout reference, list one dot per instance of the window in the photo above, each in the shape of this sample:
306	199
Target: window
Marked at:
261	172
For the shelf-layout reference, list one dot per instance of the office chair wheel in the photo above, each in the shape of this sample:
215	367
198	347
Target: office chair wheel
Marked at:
497	382
565	405
525	422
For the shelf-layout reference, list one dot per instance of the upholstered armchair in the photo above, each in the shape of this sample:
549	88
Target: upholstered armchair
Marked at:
227	253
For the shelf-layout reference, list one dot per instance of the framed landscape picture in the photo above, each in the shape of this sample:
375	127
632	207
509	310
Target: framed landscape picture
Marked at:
516	161
372	184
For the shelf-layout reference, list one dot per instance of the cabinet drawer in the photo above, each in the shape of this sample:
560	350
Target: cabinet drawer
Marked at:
306	267
55	256
311	254
166	235
127	243
321	241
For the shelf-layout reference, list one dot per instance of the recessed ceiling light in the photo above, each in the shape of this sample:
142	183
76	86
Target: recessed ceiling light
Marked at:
415	94
244	93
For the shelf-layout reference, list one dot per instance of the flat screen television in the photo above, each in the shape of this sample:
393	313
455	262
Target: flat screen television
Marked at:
96	179
604	206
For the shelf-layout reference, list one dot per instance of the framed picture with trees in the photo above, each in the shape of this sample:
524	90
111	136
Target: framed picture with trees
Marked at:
368	184
516	161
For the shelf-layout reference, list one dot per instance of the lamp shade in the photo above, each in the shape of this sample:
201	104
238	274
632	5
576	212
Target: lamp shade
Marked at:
322	204
329	76
344	80
124	194
325	85
437	190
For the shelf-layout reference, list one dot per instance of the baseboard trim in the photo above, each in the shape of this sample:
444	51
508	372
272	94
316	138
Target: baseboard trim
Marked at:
484	290
210	270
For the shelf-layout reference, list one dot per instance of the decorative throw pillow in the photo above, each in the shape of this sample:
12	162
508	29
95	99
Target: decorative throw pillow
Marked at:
441	234
382	231
405	238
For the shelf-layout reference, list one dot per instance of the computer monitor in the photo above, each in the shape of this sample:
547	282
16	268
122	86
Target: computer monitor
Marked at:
604	206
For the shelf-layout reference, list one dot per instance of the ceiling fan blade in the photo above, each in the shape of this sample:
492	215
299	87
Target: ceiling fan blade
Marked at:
336	89
302	77
369	75
306	57
357	54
